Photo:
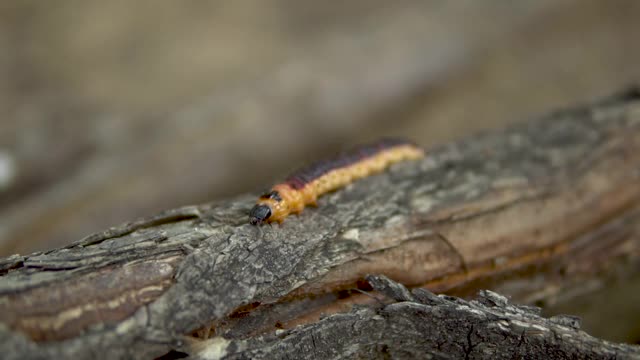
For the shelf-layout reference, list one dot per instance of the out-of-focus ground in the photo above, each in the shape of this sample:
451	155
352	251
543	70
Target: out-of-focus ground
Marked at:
115	110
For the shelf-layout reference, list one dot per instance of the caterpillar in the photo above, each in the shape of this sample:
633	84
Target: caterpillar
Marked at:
303	187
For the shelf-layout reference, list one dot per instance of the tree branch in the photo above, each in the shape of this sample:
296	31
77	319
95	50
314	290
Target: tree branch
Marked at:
531	211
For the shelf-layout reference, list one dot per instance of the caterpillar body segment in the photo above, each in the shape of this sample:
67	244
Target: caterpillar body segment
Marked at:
305	186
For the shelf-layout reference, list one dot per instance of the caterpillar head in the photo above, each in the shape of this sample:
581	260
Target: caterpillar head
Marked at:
259	214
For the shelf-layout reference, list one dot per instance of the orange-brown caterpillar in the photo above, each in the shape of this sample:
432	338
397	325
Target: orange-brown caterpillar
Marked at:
304	186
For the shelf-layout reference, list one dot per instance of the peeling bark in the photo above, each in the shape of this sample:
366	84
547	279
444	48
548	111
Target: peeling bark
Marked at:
531	211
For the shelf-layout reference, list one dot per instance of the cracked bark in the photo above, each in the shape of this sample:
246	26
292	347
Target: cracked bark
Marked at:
420	324
531	211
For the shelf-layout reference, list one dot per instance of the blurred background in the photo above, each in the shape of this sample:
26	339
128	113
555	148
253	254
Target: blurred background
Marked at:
115	110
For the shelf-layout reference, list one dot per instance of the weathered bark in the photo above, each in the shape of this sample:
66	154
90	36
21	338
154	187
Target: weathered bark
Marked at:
531	211
420	325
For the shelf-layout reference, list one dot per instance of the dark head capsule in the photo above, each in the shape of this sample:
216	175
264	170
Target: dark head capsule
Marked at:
259	214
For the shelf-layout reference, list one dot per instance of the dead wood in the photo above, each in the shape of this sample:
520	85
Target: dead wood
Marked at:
532	211
418	325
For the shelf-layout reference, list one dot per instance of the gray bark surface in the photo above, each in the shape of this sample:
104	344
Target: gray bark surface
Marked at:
420	324
531	211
